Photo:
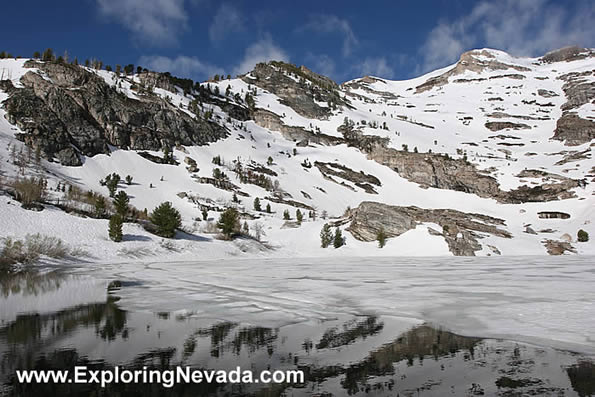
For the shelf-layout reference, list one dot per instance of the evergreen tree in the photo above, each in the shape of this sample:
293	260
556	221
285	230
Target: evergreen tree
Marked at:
121	201
167	156
48	55
299	216
582	236
115	228
112	186
338	240
270	161
229	222
167	219
246	229
326	236
268	208
128	179
257	204
381	238
99	207
286	215
205	214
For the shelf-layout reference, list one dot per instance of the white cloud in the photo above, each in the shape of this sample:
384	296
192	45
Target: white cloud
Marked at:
524	28
181	66
262	51
227	19
333	24
321	64
154	21
378	67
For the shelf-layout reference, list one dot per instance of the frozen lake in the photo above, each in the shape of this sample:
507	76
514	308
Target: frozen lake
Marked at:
359	326
545	300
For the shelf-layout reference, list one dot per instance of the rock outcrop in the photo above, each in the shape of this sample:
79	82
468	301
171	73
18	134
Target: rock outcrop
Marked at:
571	128
475	61
567	54
273	122
505	125
360	179
460	230
303	92
70	111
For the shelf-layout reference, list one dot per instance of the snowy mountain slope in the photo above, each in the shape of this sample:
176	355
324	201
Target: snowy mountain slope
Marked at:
490	117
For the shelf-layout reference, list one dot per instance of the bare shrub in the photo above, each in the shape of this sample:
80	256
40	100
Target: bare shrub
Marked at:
210	228
32	248
30	190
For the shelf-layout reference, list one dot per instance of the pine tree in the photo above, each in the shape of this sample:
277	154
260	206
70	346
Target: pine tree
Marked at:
381	238
121	201
257	204
205	214
229	222
582	236
286	215
128	179
270	161
269	208
299	216
99	207
112	186
48	55
167	219
115	228
246	229
338	240
326	236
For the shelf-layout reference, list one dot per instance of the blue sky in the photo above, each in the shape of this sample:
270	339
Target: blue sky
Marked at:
342	39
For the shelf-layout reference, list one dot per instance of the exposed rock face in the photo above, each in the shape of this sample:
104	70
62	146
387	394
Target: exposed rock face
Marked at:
461	231
475	61
574	130
158	80
555	247
503	125
571	128
556	187
546	93
567	54
192	166
553	215
302	95
272	121
434	170
73	111
360	179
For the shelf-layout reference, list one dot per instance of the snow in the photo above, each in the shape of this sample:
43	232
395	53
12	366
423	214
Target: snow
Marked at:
452	102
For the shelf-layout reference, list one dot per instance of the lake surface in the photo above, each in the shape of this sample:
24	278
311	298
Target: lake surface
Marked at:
378	327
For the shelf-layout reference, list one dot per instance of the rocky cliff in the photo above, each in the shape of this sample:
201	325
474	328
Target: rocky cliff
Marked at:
70	111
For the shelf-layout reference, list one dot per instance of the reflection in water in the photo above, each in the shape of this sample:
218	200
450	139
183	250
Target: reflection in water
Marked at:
347	356
582	377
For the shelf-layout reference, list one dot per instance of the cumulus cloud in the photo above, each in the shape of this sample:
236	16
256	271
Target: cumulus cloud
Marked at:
378	67
333	24
262	51
227	19
181	66
155	21
524	28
